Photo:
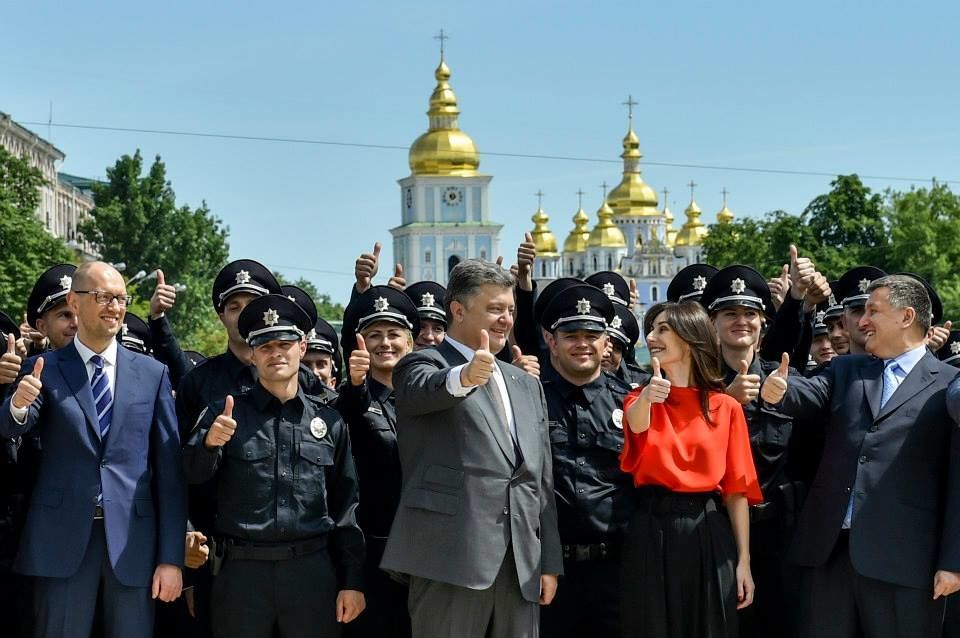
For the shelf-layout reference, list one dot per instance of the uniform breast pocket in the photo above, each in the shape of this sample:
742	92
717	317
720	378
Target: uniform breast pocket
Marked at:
558	434
774	430
312	465
246	462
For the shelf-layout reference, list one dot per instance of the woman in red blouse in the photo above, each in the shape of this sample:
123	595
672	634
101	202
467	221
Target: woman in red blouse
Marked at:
686	558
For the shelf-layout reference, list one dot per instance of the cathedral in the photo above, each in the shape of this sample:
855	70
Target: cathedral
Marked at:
445	215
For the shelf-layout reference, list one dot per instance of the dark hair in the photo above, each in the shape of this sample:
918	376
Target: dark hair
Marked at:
692	324
469	275
907	292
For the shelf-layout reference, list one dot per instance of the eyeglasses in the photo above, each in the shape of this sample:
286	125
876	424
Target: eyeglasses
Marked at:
104	298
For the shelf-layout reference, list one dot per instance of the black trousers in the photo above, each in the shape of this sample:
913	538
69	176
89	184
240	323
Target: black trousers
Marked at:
679	568
845	604
768	616
293	598
587	602
386	614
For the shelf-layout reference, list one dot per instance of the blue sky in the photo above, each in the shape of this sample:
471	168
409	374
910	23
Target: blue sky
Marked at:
867	87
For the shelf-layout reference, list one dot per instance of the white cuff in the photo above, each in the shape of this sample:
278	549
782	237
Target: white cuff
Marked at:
19	414
454	386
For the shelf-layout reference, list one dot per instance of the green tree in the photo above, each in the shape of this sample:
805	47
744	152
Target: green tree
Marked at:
763	244
26	247
326	309
137	221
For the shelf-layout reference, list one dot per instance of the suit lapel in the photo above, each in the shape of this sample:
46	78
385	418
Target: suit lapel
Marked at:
126	381
527	438
920	377
872	376
75	373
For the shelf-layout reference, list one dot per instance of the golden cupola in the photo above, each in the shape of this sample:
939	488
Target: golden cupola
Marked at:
543	238
606	234
579	237
693	230
725	215
632	196
444	149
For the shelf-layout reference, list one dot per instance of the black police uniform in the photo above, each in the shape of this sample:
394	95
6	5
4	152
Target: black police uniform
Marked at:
624	330
371	415
166	349
594	497
287	493
135	335
770	432
526	325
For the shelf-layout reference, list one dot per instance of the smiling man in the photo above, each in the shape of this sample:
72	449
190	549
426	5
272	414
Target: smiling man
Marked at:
880	531
107	512
476	529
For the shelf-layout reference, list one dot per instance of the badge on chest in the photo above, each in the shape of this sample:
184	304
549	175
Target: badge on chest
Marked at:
318	427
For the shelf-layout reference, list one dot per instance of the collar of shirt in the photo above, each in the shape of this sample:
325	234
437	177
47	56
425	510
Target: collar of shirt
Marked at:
378	391
590	390
466	351
909	359
264	401
109	354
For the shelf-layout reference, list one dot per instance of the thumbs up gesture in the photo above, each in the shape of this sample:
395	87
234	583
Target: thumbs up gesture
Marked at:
779	286
478	371
223	427
802	272
359	363
658	389
526	254
365	269
398	281
775	386
29	388
745	386
526	362
10	362
164	297
634	295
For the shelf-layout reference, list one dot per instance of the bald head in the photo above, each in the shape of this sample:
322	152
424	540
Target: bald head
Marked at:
97	323
92	274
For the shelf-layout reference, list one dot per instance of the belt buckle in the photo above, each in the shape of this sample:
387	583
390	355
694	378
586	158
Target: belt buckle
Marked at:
582	552
98	513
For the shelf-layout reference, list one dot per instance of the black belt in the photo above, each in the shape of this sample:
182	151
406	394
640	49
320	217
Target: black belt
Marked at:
241	550
656	499
764	512
591	551
98	512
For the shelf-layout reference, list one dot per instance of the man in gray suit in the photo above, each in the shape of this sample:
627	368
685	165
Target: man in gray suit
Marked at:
476	530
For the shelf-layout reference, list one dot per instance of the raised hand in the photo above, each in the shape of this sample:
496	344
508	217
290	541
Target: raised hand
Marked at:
163	299
359	363
745	387
29	387
480	368
223	427
527	362
818	292
634	295
937	336
802	272
775	385
658	389
398	281
526	254
365	268
10	362
779	286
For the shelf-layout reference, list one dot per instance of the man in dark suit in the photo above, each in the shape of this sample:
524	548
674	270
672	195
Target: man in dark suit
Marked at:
476	529
880	530
108	512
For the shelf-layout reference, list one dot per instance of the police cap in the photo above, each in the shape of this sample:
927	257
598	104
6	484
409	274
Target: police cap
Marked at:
7	327
580	307
737	285
852	286
624	327
49	291
549	292
950	352
690	282
272	318
300	297
135	334
322	338
383	303
612	284
243	275
429	298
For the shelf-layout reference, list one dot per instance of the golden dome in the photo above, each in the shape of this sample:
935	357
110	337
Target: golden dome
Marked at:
632	196
606	234
693	230
543	239
725	216
578	238
444	149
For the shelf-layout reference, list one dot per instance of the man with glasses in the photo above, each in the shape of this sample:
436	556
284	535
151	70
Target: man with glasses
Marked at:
107	515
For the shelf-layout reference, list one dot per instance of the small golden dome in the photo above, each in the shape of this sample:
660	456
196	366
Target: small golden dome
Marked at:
578	238
444	149
543	239
693	230
632	196
606	234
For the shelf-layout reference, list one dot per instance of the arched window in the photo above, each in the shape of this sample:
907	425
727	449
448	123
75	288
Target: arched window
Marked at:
654	293
609	262
427	256
595	268
570	268
452	263
543	269
483	253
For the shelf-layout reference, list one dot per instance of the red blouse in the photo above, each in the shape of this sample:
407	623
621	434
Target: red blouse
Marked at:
684	453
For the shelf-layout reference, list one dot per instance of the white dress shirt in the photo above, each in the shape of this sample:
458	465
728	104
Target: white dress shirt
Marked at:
457	389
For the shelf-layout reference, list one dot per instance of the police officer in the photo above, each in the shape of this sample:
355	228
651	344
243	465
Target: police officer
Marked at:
382	321
821	349
839	339
164	345
624	331
689	282
323	357
852	293
316	360
613	285
428	296
12	601
286	492
47	310
585	407
950	352
135	335
737	298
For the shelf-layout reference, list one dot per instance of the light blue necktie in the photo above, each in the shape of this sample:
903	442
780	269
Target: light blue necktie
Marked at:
102	397
890	383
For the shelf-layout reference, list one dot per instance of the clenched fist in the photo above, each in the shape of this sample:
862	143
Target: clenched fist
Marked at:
223	427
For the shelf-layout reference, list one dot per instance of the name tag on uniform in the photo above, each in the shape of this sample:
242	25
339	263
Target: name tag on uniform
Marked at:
375	410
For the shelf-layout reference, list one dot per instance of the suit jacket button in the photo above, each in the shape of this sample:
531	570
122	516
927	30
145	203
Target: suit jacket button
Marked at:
506	510
863	459
874	428
103	464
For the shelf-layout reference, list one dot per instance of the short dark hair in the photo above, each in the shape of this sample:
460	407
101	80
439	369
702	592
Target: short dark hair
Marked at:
469	275
907	292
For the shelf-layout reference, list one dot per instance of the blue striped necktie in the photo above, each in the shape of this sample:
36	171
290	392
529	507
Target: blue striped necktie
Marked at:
102	397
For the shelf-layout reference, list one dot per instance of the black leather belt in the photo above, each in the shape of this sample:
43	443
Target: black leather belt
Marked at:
98	512
659	500
591	551
764	512
241	550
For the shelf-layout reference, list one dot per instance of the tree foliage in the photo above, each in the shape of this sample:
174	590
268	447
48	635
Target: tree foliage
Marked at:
137	221
26	247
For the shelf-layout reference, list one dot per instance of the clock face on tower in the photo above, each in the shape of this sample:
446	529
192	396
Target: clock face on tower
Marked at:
452	195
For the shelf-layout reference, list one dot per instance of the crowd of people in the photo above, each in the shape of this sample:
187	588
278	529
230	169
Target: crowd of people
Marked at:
485	459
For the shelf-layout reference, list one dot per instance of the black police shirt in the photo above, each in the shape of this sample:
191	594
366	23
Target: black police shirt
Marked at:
287	474
593	495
